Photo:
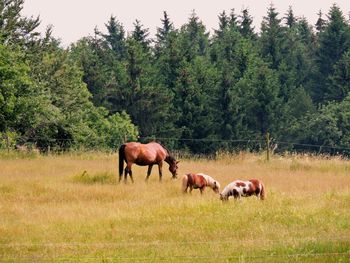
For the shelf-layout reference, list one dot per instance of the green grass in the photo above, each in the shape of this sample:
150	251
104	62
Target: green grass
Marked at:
70	208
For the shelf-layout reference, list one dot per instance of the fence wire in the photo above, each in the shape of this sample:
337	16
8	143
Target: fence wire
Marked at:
226	144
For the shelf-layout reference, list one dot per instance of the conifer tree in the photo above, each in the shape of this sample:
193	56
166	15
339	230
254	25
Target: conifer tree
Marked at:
115	38
271	39
338	86
245	27
321	23
141	34
164	31
334	40
193	38
291	20
223	24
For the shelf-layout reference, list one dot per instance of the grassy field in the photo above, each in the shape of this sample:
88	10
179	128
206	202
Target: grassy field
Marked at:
70	208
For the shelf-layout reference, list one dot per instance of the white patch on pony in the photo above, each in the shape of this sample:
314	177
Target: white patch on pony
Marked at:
211	182
237	187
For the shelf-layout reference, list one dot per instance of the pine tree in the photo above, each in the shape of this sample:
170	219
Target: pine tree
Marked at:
195	99
233	20
321	23
141	34
334	40
272	36
15	29
167	58
115	38
245	27
339	83
193	38
291	20
223	24
259	102
164	31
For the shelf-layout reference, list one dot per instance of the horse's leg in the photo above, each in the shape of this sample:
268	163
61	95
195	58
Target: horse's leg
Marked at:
121	174
120	177
130	174
185	191
149	171
201	190
160	171
128	171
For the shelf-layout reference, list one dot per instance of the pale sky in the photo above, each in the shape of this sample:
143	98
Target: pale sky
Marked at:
74	19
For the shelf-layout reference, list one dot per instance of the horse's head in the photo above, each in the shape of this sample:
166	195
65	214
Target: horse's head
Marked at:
216	187
173	168
223	197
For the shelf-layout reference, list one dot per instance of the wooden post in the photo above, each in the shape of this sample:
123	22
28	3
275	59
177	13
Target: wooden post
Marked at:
268	146
7	142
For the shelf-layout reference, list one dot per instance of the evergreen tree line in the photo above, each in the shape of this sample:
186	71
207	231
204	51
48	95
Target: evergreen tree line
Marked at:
190	89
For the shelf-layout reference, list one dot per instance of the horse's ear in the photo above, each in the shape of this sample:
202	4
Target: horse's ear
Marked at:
177	162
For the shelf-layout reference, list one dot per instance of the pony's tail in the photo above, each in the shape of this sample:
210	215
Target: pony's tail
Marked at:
262	192
121	159
184	181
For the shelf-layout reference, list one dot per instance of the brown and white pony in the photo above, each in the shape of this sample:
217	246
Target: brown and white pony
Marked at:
239	188
199	181
145	155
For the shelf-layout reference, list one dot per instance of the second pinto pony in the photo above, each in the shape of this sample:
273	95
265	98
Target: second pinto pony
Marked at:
240	188
199	181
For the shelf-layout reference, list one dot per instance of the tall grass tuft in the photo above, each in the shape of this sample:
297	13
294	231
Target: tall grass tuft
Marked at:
96	178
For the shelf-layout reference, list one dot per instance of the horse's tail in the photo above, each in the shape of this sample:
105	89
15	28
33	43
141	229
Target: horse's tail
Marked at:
184	181
121	159
262	191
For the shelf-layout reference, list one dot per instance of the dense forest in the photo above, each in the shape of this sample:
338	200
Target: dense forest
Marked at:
188	88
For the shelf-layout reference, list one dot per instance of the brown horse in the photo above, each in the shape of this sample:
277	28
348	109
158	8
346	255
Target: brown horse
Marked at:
145	154
199	181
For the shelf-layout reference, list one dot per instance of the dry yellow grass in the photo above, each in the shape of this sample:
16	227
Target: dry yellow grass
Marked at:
50	211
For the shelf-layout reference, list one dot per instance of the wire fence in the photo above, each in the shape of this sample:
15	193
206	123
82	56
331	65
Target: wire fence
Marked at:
229	145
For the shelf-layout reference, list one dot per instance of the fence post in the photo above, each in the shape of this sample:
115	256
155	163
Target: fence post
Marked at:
268	146
7	142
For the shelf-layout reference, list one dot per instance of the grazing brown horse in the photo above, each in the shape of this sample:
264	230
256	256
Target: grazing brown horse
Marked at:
145	154
199	181
240	188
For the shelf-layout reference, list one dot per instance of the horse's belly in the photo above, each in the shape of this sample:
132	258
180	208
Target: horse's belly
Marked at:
143	163
243	191
198	184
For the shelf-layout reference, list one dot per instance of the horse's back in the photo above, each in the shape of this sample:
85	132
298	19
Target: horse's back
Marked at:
144	154
132	150
199	180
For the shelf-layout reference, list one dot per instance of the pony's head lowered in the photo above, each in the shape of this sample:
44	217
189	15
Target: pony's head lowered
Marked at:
215	185
212	183
223	197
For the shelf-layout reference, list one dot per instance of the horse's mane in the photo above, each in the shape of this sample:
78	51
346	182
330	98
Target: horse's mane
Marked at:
170	156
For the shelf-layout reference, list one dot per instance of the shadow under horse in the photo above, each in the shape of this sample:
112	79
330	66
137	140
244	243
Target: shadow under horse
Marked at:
145	154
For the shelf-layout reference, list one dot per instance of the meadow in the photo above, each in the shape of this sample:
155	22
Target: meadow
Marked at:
70	208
